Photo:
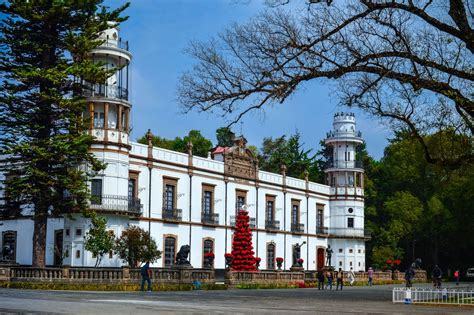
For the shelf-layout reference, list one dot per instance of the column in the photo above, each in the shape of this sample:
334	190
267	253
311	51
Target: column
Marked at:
106	121
91	115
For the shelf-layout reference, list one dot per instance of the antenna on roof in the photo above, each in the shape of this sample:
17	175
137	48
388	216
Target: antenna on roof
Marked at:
241	124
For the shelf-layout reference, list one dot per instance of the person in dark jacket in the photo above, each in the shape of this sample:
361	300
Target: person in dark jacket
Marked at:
409	275
320	277
145	273
437	274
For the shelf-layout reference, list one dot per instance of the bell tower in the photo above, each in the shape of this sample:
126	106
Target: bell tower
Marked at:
345	176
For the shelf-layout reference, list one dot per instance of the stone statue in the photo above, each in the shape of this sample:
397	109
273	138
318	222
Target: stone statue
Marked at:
416	264
182	255
7	253
297	252
328	255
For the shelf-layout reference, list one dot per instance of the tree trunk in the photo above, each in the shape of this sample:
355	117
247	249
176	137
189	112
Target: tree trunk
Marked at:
39	237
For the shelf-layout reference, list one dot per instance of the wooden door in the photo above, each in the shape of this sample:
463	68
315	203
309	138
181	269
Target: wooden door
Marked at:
320	258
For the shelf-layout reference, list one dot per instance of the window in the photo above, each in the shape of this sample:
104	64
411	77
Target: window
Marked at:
68	232
271	256
207	199
359	263
9	245
99	118
207	247
350	222
350	210
270	208
96	191
78	232
319	218
350	263
241	197
78	254
340	250
340	264
295	212
170	250
359	251
132	188
169	198
350	250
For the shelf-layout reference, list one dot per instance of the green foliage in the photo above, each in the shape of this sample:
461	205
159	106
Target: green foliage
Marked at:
135	246
201	145
98	240
279	151
225	137
45	64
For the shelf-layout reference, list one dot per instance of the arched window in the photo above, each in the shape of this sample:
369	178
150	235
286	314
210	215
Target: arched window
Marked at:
207	247
170	251
9	245
270	256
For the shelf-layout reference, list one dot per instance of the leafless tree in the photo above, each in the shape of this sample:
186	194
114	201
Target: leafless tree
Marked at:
409	62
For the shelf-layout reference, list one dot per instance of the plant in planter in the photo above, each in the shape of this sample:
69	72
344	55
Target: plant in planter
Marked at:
257	261
209	259
300	262
279	261
242	248
228	260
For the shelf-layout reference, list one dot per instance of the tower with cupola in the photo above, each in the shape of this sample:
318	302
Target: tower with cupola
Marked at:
345	176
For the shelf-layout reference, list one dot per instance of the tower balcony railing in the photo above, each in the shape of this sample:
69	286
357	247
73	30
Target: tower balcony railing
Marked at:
272	225
108	91
344	133
114	203
209	218
344	164
297	227
350	232
172	214
252	222
116	43
322	230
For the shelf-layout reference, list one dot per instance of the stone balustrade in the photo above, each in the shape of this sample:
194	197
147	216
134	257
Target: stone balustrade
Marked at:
233	278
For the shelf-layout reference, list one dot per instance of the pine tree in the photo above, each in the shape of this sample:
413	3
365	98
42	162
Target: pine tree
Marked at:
44	64
242	249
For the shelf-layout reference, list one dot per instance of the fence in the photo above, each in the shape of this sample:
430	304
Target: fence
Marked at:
433	296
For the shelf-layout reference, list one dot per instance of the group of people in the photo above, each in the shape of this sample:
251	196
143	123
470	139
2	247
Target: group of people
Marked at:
326	278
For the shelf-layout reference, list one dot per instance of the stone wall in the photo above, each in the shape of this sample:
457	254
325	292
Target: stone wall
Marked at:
104	275
420	275
233	278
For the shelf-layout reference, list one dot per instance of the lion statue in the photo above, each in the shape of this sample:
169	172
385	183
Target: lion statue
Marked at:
182	255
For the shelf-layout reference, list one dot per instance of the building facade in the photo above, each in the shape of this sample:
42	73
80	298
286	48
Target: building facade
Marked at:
182	199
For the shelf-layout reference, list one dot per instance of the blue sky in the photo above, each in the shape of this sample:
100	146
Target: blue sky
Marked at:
160	30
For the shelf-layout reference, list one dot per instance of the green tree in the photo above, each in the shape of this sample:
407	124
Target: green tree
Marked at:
135	246
225	137
44	64
279	151
201	145
98	240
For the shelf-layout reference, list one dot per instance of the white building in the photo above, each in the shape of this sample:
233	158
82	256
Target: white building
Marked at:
184	199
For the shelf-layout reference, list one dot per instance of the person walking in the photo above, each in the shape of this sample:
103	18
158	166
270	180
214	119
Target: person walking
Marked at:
145	273
456	276
370	274
329	277
351	277
409	275
339	278
437	274
320	277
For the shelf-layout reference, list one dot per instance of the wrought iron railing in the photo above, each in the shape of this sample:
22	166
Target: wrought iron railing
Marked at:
172	214
209	218
116	203
297	227
109	42
272	225
322	230
344	133
344	164
109	91
350	232
252	221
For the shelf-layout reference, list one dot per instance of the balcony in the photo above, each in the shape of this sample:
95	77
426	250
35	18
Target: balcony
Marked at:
171	214
109	42
113	203
344	164
350	233
107	91
272	225
322	230
297	227
209	218
252	222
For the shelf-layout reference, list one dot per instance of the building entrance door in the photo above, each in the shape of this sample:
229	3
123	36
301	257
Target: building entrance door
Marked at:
58	247
320	258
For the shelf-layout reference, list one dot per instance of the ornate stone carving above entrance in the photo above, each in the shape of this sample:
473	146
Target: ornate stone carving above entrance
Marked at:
240	161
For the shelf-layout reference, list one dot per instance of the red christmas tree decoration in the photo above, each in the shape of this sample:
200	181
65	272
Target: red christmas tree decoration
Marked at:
242	249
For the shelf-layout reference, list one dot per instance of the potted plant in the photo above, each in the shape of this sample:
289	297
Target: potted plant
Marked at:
257	261
228	260
209	259
300	262
279	261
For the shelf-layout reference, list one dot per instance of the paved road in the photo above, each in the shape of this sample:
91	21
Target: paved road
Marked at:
352	300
